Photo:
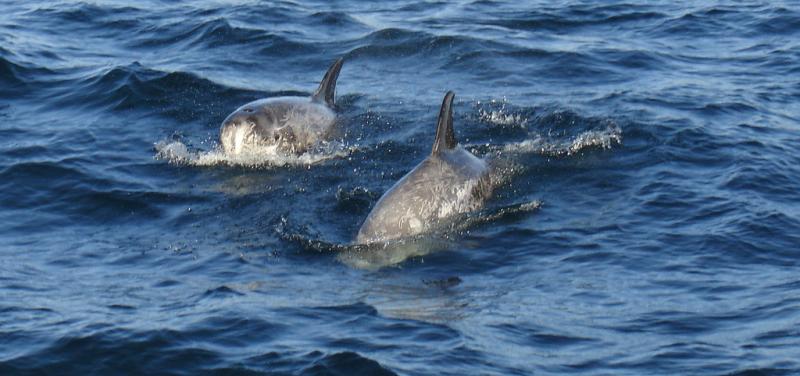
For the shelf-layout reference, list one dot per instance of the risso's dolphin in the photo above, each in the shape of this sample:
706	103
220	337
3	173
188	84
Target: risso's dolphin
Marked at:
288	124
449	181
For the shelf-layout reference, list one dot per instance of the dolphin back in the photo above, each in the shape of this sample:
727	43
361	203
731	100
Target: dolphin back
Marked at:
450	181
327	88
438	188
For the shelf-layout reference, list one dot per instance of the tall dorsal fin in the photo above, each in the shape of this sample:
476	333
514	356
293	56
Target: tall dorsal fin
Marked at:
445	136
327	88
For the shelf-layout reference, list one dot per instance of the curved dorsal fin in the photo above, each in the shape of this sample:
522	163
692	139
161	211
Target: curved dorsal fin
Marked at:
445	136
327	88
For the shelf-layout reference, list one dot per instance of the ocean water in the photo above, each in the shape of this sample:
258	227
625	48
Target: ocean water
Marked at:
646	221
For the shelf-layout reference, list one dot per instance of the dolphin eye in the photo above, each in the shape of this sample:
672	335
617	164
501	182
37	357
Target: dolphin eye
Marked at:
248	110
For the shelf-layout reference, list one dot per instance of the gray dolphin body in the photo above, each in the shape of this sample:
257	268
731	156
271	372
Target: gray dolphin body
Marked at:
450	181
290	124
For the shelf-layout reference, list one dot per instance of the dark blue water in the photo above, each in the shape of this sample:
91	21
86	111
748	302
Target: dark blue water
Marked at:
647	221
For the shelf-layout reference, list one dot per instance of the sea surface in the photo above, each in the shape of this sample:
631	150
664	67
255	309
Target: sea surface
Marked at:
646	219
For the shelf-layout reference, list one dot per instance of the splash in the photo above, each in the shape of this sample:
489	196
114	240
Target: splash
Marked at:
177	153
604	139
496	112
501	117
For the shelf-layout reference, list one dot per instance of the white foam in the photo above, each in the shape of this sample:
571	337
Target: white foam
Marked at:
175	152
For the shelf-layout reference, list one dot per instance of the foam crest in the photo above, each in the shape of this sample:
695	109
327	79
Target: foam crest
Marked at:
177	153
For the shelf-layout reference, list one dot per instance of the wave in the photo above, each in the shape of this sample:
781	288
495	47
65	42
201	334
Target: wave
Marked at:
212	33
195	349
19	78
11	74
745	20
573	19
82	13
780	21
406	44
470	53
337	19
135	87
70	191
693	24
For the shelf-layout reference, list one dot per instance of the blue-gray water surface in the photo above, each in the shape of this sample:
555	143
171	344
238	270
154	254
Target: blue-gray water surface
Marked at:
646	221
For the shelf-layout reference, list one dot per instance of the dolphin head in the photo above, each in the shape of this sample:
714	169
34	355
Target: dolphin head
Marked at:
251	127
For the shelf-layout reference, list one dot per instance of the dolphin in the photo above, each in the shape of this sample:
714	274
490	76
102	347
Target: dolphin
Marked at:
449	181
287	124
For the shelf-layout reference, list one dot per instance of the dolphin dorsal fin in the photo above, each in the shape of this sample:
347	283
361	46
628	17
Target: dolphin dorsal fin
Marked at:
327	88
445	136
